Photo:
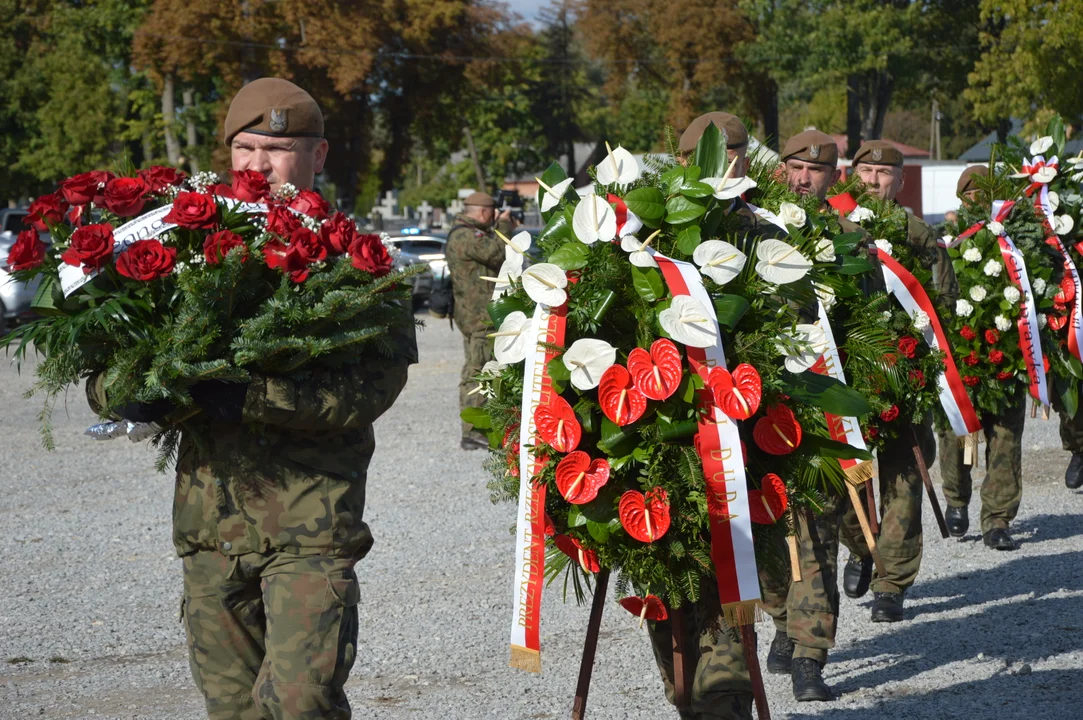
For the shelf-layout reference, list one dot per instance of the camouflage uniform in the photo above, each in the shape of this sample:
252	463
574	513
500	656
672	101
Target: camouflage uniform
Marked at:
1002	489
473	251
268	521
1071	430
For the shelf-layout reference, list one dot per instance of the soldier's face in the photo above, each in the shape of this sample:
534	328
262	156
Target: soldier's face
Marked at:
807	178
296	161
884	180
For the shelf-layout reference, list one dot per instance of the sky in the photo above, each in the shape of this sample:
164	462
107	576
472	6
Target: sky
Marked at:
527	8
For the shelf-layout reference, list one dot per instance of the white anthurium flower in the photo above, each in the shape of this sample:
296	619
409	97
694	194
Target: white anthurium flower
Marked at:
512	338
995	228
1045	175
803	347
545	284
594	220
727	188
493	367
519	242
1039	146
619	167
1054	201
719	260
792	214
637	251
825	251
1063	224
688	322
550	197
587	359
860	215
780	262
510	270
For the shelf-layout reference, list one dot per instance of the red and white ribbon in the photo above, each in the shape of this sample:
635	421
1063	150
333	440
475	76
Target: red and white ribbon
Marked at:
912	297
628	223
1033	169
547	326
1075	331
1029	339
718	444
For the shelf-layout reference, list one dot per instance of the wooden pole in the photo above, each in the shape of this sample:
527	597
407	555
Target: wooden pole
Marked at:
682	675
870	502
752	661
928	482
870	539
590	644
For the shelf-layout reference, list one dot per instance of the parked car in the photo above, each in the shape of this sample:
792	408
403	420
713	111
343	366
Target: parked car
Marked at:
15	297
415	247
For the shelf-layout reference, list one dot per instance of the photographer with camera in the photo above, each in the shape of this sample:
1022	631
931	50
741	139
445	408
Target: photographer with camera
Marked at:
473	251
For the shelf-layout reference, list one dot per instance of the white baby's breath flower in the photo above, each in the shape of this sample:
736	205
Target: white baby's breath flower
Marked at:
978	293
1011	294
792	214
972	255
920	320
288	191
883	246
1038	285
1042	320
1039	146
992	268
963	308
860	215
1003	324
995	228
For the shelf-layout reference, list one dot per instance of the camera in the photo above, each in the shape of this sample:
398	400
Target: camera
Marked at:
510	200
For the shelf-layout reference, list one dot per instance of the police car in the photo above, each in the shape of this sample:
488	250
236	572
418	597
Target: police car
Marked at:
416	246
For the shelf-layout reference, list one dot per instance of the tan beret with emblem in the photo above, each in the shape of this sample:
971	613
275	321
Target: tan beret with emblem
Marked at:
480	199
736	132
878	152
966	180
275	107
812	146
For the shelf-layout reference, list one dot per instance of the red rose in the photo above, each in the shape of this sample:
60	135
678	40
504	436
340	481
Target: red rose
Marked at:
338	234
871	432
287	259
218	244
250	186
971	359
28	251
76	215
282	221
970	380
1057	322
221	190
967	333
370	255
996	357
85	188
908	346
91	246
890	414
311	204
307	244
1004	374
991	336
917	377
146	260
45	211
192	210
124	196
158	178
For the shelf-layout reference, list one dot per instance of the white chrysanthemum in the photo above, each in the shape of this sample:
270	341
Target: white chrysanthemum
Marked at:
978	293
860	214
992	268
972	255
1011	294
1042	320
883	246
963	308
1038	285
920	320
1003	324
995	228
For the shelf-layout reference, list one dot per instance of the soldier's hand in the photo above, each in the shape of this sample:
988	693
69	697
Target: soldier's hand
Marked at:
506	217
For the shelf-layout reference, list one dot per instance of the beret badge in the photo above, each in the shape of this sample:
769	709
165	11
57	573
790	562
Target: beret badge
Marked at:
279	120
877	155
814	151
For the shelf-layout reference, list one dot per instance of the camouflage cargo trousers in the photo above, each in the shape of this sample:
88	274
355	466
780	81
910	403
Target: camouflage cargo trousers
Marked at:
271	636
721	686
1002	489
476	352
1071	428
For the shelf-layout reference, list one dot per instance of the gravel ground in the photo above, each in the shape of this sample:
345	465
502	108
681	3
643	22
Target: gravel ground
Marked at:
89	591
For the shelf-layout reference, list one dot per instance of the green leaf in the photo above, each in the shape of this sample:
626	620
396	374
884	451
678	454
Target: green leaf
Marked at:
852	265
648	204
558	371
48	296
648	283
827	447
825	393
1069	397
696	189
673	179
570	256
711	157
730	309
709	224
558	228
1055	129
598	531
680	209
846	243
576	518
504	306
678	430
617	441
478	417
688	240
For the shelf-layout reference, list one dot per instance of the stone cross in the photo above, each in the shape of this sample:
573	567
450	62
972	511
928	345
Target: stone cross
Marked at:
455	207
388	205
425	211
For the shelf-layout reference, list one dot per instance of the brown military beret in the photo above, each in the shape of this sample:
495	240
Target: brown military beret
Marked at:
736	133
966	180
275	107
480	199
812	146
878	152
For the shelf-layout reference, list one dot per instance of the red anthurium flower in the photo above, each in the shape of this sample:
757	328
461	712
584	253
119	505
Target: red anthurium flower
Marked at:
1057	322
587	559
778	432
766	505
579	478
557	424
648	608
739	393
1067	292
621	400
644	517
657	373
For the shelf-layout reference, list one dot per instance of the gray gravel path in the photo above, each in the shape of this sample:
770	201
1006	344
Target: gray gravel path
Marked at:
89	591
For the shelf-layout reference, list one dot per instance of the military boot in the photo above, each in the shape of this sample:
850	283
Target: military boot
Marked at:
808	681
780	656
1073	477
956	520
857	575
887	607
998	539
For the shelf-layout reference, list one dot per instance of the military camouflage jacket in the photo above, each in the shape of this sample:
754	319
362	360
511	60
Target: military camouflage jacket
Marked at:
473	251
292	477
922	240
